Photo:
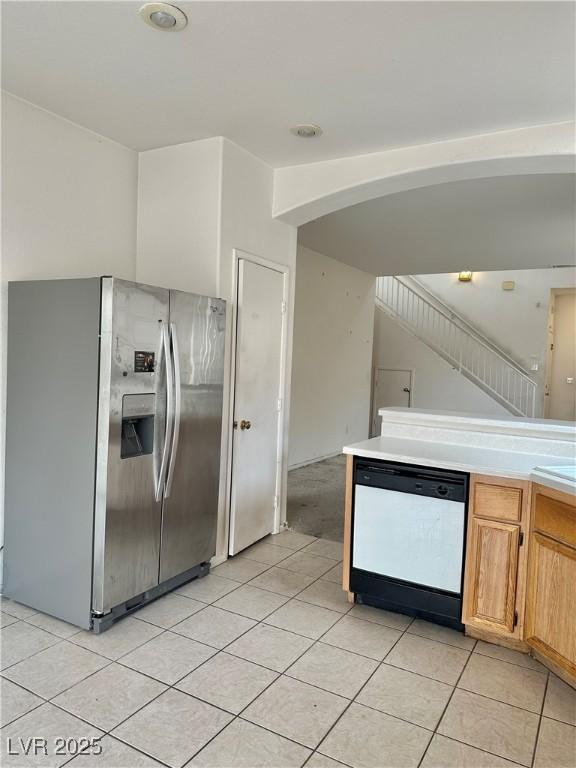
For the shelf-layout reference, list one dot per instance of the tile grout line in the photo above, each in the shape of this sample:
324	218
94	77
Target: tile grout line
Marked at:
498	701
480	749
540	721
136	749
447	704
542	671
489	699
71	642
36	706
35	653
353	700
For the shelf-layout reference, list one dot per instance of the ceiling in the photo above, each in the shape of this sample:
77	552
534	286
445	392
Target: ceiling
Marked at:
373	75
514	222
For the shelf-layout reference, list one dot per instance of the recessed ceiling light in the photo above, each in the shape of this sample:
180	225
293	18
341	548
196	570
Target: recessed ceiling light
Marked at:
162	16
306	130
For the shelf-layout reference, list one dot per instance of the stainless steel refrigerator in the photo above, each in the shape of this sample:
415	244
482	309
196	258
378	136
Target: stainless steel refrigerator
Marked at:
113	429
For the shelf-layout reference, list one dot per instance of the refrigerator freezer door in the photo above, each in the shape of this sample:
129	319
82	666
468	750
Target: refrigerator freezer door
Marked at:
131	438
190	508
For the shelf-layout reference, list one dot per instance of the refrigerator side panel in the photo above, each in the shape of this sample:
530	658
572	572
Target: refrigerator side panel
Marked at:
190	509
52	390
131	428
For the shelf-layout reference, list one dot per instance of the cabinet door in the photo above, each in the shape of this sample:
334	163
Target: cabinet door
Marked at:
491	574
551	606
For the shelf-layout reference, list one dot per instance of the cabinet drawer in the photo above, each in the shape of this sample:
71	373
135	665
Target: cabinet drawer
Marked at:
555	519
499	502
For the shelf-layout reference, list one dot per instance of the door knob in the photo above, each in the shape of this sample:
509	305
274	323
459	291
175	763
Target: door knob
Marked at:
405	389
244	424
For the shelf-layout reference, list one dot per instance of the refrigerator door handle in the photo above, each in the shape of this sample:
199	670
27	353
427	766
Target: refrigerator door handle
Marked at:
177	407
167	359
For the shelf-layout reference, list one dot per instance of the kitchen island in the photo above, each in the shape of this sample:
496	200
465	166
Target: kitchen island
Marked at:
514	541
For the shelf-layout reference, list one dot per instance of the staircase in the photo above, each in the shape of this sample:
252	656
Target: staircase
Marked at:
423	315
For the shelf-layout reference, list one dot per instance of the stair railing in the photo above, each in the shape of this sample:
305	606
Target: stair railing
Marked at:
456	341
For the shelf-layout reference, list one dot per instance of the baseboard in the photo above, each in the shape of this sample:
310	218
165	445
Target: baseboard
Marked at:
496	639
313	461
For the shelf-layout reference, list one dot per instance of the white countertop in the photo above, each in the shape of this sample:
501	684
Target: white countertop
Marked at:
562	477
526	449
482	461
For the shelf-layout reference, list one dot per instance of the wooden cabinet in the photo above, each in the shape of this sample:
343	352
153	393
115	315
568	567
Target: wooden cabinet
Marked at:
492	598
496	557
551	596
497	501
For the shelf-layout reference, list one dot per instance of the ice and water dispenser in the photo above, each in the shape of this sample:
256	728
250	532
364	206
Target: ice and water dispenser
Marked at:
137	425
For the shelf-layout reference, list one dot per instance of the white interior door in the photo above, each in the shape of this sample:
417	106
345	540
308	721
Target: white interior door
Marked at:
562	377
257	392
392	388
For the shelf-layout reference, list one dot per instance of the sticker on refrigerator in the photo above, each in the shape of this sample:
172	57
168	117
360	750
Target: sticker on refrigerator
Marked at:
143	362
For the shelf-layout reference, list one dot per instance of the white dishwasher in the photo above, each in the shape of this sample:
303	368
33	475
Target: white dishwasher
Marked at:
408	539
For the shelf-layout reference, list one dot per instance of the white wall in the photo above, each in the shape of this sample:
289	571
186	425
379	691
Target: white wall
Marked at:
246	217
435	383
68	206
332	357
197	203
516	320
69	198
179	216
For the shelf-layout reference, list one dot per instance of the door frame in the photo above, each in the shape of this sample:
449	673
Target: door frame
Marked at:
284	269
411	371
549	354
551	335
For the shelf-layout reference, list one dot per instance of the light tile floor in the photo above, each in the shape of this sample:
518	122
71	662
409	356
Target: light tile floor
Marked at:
263	663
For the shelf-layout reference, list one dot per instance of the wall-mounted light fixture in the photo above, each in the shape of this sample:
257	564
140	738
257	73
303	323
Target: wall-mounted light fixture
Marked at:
465	277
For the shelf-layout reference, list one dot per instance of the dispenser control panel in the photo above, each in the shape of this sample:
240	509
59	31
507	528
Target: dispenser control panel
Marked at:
143	362
138	405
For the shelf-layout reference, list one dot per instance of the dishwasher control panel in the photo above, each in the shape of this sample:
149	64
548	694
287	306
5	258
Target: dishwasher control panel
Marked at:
411	479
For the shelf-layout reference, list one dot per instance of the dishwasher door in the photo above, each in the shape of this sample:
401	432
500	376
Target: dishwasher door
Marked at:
413	538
